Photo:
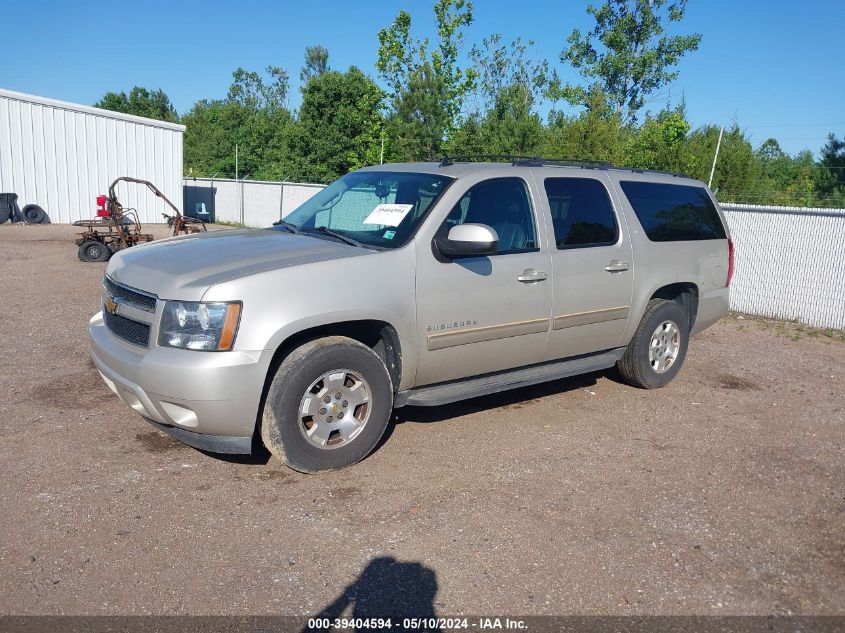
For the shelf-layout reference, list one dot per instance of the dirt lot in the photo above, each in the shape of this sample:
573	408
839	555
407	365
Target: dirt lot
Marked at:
722	493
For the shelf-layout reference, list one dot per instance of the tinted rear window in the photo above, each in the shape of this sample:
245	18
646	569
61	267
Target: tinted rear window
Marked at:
581	212
672	213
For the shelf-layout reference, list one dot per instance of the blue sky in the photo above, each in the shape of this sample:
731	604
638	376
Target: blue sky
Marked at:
775	67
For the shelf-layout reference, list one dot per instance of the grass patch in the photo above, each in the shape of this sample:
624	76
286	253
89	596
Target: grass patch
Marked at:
793	330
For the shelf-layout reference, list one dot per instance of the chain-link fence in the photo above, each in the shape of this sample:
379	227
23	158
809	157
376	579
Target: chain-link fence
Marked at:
790	263
252	203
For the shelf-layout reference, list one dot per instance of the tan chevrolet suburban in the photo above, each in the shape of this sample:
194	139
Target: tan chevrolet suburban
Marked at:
410	284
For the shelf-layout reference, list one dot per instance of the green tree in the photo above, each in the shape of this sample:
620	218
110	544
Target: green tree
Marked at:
316	63
596	134
627	54
831	179
792	180
660	142
503	67
153	104
737	176
509	128
253	117
419	119
250	89
214	127
339	126
404	60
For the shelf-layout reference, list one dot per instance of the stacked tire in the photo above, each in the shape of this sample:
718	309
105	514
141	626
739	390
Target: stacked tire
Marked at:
31	213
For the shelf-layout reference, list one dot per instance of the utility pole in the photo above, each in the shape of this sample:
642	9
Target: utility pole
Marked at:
381	156
241	199
236	161
282	198
715	157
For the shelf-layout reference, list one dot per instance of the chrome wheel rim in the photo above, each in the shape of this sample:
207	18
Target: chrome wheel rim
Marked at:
664	346
335	409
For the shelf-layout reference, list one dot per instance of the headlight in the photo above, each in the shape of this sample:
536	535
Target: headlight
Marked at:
201	326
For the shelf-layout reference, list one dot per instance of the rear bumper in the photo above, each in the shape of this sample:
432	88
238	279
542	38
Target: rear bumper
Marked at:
206	399
712	306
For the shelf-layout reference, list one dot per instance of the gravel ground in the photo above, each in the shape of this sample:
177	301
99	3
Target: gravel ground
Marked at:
720	494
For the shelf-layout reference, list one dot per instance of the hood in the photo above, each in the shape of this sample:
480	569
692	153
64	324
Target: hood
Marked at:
185	267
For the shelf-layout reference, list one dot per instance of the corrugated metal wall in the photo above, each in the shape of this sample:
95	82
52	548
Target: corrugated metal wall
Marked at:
790	263
62	155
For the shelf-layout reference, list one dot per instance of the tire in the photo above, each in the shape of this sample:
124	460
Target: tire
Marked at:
642	368
33	214
5	214
311	443
93	251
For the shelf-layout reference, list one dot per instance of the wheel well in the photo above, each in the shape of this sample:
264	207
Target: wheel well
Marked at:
381	337
686	294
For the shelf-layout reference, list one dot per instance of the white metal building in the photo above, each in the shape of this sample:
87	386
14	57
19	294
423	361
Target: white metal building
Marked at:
61	155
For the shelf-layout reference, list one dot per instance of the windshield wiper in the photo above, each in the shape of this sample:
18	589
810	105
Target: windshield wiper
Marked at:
340	236
290	227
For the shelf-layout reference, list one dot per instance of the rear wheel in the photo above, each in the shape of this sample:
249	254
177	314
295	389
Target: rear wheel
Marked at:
658	349
93	251
327	406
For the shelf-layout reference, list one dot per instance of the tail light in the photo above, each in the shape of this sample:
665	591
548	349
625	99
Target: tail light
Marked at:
102	209
730	262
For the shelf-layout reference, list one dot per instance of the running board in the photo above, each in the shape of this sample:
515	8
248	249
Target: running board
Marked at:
446	392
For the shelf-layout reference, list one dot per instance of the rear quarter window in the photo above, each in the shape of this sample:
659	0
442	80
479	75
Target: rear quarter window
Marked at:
674	213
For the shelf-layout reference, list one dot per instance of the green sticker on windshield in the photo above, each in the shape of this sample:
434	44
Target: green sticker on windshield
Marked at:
389	235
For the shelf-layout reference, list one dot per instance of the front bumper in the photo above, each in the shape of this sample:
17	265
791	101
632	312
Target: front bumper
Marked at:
208	400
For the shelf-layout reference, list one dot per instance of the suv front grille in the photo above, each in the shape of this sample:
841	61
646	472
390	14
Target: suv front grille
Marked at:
135	298
127	329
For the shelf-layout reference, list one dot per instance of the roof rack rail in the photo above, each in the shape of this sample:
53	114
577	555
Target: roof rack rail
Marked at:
537	161
480	158
523	161
637	170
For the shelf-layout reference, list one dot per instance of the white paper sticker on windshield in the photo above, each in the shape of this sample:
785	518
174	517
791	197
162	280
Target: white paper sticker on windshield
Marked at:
388	214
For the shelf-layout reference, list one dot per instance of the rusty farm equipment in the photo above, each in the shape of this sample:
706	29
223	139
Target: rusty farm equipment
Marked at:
116	227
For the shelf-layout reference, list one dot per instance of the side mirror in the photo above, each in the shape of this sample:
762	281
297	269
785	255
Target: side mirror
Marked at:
468	240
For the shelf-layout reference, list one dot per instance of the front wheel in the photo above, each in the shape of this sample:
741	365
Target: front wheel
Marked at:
93	251
327	406
658	349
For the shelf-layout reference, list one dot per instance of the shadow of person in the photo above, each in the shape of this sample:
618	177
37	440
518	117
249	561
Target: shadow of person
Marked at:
386	589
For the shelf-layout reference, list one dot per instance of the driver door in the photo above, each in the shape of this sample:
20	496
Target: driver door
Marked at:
477	315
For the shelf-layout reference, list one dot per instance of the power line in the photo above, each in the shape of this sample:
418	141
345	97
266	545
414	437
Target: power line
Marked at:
793	124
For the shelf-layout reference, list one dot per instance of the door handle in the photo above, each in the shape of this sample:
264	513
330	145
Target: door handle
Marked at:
616	266
530	275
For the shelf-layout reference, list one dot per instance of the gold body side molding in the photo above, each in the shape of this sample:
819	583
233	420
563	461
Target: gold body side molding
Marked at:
591	316
486	333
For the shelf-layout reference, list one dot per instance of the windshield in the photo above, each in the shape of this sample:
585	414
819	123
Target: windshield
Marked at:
376	208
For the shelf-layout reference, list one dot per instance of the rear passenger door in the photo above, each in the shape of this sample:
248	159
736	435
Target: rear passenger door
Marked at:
592	263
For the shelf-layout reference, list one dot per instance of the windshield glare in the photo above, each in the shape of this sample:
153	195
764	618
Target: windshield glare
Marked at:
377	208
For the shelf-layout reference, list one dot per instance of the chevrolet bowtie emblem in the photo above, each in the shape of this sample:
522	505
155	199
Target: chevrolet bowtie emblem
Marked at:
110	305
